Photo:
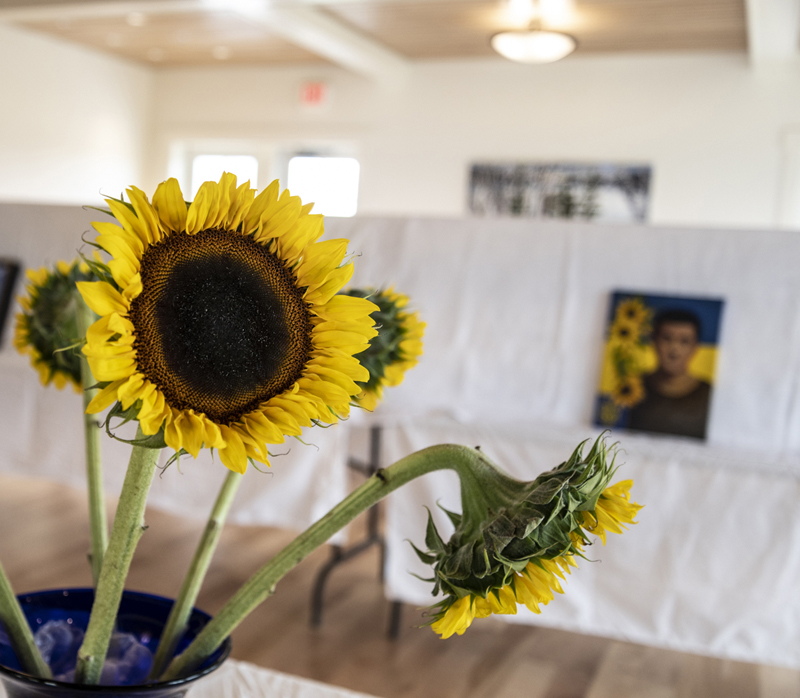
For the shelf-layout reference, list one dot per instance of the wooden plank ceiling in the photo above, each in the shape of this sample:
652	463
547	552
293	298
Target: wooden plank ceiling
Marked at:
415	29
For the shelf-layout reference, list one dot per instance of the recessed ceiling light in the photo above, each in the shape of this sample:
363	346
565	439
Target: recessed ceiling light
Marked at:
221	53
136	19
155	54
533	46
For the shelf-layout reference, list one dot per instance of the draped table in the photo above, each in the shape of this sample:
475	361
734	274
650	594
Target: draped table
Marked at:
243	680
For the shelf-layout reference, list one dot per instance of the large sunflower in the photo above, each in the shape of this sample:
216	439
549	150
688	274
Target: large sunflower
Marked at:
396	348
220	323
47	328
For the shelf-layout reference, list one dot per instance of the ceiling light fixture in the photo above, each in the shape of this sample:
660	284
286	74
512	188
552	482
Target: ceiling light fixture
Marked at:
533	45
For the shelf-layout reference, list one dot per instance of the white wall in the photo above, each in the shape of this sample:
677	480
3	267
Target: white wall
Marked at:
72	121
709	124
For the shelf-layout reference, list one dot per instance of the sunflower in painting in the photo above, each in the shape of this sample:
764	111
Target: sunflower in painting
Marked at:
634	311
47	328
624	333
395	349
220	322
629	390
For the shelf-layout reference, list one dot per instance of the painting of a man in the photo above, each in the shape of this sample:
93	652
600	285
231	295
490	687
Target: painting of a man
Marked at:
675	402
659	363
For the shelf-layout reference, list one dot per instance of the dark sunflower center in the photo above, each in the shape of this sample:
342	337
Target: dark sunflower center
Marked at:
220	324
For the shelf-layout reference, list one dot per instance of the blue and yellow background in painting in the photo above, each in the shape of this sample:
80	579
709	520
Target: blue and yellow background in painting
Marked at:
611	410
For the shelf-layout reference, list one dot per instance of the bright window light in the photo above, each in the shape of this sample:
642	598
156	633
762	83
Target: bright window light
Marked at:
330	183
209	168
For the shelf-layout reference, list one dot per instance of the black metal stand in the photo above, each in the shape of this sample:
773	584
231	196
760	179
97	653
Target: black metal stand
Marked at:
341	554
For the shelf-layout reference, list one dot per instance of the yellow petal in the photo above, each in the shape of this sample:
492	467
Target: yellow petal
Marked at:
344	308
203	209
105	398
146	214
286	423
170	205
259	425
130	221
112	369
233	455
131	390
102	297
109	230
266	199
335	282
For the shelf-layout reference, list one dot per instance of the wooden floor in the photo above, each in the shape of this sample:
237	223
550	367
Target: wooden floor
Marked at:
43	542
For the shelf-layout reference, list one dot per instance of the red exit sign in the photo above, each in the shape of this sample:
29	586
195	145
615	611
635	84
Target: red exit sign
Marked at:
313	94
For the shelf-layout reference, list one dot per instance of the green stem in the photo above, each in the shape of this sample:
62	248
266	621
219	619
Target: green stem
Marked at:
473	469
94	469
125	534
19	632
182	608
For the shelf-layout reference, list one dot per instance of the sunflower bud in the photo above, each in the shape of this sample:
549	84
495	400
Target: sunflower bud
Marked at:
396	348
47	329
515	540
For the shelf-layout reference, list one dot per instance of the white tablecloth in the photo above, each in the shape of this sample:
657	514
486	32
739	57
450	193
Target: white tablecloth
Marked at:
713	567
243	680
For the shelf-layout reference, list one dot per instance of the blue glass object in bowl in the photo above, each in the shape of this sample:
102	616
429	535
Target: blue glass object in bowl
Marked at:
143	615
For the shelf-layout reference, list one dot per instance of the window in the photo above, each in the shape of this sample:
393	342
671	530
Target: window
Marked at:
330	183
207	168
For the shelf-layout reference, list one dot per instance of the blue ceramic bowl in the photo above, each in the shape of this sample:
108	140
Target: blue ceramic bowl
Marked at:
143	615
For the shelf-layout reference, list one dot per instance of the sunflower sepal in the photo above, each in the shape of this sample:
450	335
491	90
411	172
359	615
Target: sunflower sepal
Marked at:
98	268
154	441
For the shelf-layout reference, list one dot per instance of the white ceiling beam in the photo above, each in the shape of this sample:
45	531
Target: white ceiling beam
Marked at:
325	36
92	10
773	30
295	21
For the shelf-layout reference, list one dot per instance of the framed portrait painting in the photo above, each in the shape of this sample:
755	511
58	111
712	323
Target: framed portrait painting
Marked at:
659	363
9	270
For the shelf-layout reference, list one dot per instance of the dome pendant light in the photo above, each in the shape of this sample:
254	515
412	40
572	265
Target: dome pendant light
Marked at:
534	45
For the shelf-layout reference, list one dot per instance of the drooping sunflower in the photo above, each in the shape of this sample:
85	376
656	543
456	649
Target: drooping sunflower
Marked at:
47	328
516	549
396	348
220	325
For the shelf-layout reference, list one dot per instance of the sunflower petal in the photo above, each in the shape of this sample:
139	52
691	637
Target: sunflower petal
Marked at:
102	297
170	205
233	455
104	398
